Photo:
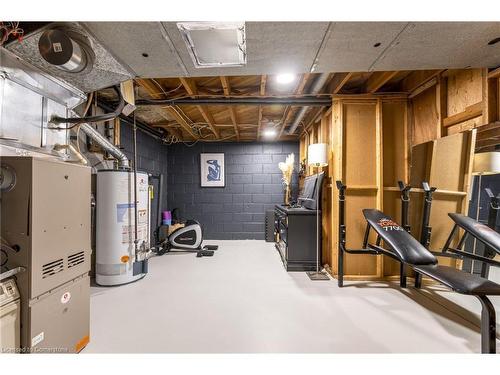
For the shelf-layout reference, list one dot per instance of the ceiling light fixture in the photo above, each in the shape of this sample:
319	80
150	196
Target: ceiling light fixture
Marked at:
269	133
285	78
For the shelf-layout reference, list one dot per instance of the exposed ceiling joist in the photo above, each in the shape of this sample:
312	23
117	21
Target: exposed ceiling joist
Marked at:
495	73
171	127
418	78
338	81
184	124
263	80
191	89
491	142
227	92
488	131
151	89
262	92
288	110
377	80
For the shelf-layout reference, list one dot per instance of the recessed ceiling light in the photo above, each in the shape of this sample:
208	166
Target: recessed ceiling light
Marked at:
377	44
269	133
285	78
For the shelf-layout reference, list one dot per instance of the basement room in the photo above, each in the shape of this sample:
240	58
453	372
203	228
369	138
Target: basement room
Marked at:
233	185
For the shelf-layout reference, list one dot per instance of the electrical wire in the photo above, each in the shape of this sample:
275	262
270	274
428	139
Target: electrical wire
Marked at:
162	90
10	28
95	119
85	111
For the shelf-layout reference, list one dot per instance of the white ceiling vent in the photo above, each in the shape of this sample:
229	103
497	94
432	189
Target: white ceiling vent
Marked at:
215	44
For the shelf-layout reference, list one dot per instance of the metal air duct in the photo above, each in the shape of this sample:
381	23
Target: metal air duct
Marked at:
315	89
58	48
106	145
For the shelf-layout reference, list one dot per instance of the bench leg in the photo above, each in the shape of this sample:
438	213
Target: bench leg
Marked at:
488	326
402	275
418	280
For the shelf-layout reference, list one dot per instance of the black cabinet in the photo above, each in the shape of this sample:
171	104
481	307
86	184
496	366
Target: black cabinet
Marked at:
295	232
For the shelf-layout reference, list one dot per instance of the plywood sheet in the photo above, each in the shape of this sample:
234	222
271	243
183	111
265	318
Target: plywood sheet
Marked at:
421	157
358	264
360	144
441	223
425	117
449	162
394	141
464	89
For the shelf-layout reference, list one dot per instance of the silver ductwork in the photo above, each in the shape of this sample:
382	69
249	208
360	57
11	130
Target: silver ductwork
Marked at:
102	141
315	89
58	48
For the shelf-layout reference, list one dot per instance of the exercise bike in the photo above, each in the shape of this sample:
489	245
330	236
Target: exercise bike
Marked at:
187	238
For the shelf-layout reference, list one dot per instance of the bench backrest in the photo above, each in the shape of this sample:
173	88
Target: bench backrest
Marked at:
404	245
478	230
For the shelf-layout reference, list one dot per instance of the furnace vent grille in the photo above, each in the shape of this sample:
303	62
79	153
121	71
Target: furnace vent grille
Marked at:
76	259
50	269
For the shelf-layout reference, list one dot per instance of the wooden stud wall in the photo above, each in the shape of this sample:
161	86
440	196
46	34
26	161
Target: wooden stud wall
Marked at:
374	141
356	130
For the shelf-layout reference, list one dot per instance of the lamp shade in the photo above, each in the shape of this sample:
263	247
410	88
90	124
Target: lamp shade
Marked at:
487	163
317	154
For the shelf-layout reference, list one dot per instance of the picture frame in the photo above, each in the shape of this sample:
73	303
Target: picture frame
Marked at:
212	170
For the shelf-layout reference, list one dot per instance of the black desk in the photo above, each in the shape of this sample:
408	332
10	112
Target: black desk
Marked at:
295	230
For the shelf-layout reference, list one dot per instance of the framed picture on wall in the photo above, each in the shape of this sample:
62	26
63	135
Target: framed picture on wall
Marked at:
212	170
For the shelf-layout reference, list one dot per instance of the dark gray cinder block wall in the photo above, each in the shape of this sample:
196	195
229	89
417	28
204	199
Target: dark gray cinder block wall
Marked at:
253	185
151	158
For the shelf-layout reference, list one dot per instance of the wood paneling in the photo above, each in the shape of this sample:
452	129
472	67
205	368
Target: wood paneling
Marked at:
395	143
360	146
425	117
464	89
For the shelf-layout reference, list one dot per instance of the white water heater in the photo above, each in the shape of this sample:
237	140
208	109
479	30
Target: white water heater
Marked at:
116	261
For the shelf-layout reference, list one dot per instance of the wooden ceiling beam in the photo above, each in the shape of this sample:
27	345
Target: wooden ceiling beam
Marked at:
377	80
151	88
191	89
262	92
288	109
487	143
227	92
172	129
311	119
488	131
181	120
339	80
418	78
263	81
495	73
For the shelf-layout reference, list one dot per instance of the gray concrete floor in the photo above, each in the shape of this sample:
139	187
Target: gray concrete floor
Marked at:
242	300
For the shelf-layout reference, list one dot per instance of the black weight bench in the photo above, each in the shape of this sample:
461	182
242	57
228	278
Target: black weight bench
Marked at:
409	252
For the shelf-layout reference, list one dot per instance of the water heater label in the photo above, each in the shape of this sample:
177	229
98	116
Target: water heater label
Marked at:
124	212
37	339
128	233
142	216
65	297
